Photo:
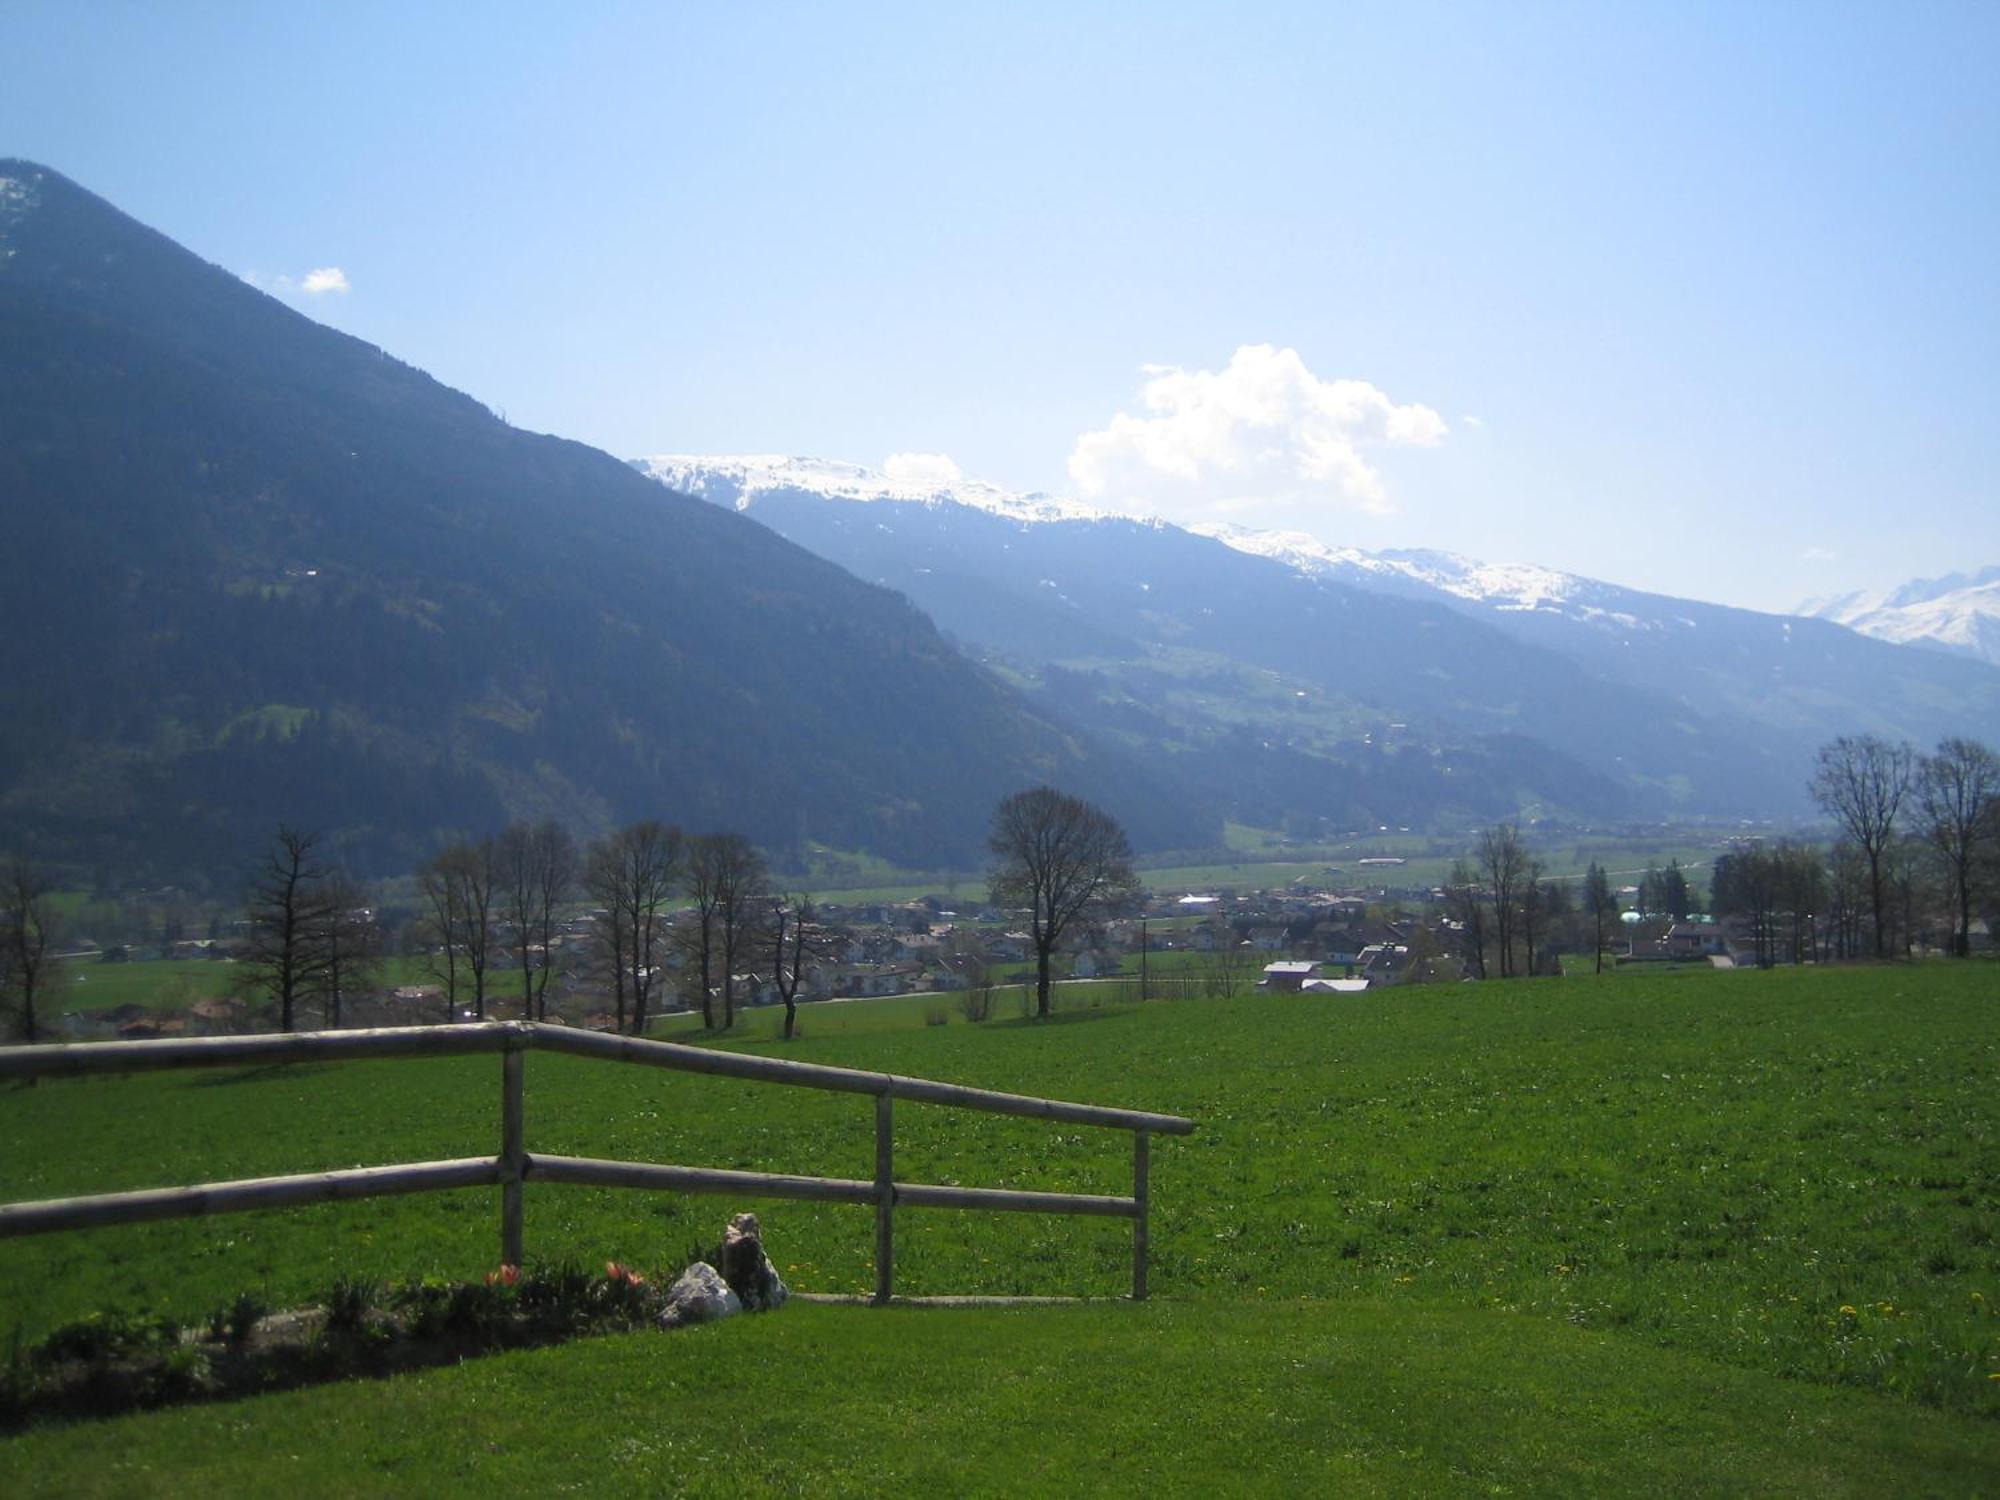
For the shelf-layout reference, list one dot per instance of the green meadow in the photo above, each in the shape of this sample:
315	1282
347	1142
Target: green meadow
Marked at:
1568	1235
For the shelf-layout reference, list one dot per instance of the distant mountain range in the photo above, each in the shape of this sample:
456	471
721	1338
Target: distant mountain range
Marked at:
255	570
1959	613
1278	674
258	570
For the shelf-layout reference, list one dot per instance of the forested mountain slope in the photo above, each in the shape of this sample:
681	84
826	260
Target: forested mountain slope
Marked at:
257	569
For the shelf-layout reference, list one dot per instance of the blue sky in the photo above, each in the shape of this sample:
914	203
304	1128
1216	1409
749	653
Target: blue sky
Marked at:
1699	299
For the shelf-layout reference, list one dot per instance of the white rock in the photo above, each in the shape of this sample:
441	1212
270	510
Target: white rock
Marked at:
700	1295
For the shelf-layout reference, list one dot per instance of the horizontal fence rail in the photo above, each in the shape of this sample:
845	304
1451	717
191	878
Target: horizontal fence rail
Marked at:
515	1166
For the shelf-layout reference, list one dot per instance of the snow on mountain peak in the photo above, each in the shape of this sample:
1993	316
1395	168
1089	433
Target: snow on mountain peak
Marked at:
1959	612
1501	585
737	480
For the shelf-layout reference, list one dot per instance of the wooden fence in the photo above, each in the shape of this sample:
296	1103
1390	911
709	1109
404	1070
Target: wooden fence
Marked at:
515	1166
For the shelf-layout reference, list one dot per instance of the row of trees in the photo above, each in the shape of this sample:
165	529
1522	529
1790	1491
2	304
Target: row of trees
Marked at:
1949	801
658	894
1506	910
312	937
637	880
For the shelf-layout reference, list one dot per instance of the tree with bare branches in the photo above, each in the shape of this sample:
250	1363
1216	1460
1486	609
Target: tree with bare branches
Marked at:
740	893
1504	862
695	936
286	911
1958	810
632	876
28	962
1860	781
1468	908
441	923
537	875
796	938
1603	906
349	943
461	883
1061	858
1534	909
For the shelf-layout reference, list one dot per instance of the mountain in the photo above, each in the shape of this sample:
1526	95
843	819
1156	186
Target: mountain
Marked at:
1754	675
259	570
1959	613
1281	674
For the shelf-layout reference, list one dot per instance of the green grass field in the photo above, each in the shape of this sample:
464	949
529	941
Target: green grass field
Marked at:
175	984
157	984
1557	1235
1270	861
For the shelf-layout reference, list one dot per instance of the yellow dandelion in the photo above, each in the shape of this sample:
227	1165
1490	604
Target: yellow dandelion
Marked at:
1847	1311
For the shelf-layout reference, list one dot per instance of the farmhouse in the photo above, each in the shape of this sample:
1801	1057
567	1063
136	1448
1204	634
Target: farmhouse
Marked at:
1694	940
1334	986
1287	974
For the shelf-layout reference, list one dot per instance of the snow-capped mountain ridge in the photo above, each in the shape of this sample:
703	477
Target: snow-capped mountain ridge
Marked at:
1169	638
1501	585
736	480
1959	612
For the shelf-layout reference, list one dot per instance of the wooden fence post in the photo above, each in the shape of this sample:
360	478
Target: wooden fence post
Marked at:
513	1154
885	1198
1142	1151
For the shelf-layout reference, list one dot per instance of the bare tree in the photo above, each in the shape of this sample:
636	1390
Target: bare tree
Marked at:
740	889
1504	863
1749	882
632	875
1860	782
1229	963
442	921
1597	895
695	937
1468	907
1958	805
349	944
1534	907
537	872
795	937
1802	892
1061	858
28	962
977	1003
467	873
286	911
1847	889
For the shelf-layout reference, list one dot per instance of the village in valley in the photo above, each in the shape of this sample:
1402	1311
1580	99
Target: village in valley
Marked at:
1350	928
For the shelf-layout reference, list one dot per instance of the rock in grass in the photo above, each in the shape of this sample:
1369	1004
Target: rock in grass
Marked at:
747	1269
700	1295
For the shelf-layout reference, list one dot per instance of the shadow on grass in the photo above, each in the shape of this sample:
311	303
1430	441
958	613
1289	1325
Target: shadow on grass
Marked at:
268	1073
220	1371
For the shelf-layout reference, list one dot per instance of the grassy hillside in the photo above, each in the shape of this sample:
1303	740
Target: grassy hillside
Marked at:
1545	1197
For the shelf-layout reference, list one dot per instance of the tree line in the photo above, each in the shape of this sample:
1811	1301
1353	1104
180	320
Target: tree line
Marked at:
1919	833
495	911
1915	828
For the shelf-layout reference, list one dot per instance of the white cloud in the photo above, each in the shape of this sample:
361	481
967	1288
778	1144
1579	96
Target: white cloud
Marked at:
313	283
1471	421
1262	438
1820	554
922	468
